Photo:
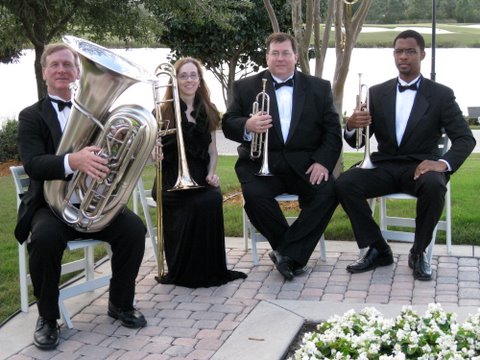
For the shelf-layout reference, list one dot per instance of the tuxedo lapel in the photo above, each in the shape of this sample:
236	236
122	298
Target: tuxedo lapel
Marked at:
297	103
50	117
420	106
389	107
277	127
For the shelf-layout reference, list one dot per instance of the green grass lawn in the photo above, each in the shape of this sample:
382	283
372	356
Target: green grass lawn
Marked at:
454	35
465	218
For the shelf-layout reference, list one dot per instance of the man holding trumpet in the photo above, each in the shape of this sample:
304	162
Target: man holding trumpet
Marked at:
408	115
303	134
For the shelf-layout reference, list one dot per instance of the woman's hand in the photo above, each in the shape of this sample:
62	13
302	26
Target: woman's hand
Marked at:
213	180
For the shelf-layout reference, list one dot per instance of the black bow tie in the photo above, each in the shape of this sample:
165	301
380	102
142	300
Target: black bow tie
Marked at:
413	86
289	82
61	104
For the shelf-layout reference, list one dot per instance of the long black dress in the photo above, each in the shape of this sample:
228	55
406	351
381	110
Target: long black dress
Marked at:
193	219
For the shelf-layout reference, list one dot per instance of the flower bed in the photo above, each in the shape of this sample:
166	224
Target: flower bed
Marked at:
368	335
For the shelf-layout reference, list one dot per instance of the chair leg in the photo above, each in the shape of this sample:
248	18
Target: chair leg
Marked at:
65	314
146	213
371	203
22	267
253	236
246	222
431	245
323	250
448	221
89	262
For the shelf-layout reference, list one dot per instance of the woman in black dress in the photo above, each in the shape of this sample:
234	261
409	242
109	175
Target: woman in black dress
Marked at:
193	219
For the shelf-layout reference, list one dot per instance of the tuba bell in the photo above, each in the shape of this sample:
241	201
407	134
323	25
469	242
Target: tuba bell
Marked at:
125	135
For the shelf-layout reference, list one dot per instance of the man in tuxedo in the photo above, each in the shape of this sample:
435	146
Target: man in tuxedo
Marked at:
39	133
407	114
304	144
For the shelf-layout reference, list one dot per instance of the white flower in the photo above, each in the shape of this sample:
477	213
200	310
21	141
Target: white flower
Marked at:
367	335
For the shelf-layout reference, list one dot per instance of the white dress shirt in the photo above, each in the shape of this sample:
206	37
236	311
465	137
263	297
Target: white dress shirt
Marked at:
284	97
62	117
403	108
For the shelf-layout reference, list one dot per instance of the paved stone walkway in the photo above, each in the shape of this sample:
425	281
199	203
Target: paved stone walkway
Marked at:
208	323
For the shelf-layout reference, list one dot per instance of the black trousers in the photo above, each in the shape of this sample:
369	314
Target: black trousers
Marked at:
49	236
356	185
317	204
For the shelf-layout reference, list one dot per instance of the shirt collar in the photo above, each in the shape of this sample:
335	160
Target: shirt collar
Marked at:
403	83
277	80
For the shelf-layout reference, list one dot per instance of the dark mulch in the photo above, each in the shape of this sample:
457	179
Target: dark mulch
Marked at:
5	167
297	342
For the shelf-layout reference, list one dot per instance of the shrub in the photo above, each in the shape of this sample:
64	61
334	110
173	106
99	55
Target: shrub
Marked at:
8	141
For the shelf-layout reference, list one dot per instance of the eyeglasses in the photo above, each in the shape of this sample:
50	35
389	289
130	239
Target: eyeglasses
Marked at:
408	52
276	54
185	77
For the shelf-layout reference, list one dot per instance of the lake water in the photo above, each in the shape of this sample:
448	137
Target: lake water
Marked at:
456	68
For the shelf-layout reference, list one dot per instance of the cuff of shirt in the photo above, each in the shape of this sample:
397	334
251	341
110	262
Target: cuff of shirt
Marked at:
247	136
449	168
349	133
66	165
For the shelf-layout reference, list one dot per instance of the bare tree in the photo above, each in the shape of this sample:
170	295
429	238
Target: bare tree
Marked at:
347	29
347	18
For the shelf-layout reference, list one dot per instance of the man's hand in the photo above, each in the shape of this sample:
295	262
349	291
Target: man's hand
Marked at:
429	165
258	123
318	173
359	119
88	162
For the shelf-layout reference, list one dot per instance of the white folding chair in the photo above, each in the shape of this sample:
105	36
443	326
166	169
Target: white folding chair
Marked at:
250	231
146	202
386	222
87	263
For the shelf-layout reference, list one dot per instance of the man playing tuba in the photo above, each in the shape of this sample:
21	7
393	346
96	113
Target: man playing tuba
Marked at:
39	133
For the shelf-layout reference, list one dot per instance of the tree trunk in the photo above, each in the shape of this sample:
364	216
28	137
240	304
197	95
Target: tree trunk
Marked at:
41	86
347	29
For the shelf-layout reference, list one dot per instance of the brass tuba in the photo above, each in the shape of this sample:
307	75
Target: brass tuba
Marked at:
363	134
259	143
126	136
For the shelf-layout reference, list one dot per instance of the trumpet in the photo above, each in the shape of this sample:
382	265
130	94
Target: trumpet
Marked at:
259	144
363	133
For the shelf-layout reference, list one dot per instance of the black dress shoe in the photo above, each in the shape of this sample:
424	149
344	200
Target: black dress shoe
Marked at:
273	256
372	259
421	268
283	264
411	260
297	271
132	318
47	334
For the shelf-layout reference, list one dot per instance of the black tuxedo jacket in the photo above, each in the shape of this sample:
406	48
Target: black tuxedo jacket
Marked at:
314	135
39	135
434	111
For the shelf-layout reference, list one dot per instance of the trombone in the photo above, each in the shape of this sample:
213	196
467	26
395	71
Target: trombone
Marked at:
184	180
363	133
259	144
